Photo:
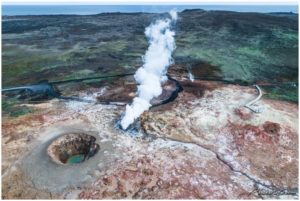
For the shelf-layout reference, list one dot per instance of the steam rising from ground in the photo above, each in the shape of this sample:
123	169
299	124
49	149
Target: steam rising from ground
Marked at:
153	73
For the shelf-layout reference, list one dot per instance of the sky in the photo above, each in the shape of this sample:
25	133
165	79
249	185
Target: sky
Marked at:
95	9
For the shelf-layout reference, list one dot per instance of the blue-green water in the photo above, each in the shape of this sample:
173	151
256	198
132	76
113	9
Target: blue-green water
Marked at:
75	159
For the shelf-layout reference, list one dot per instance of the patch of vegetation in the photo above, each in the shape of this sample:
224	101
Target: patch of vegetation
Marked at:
29	64
114	46
80	74
12	109
244	47
21	61
250	51
289	35
282	92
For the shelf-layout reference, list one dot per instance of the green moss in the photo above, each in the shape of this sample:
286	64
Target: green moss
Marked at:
12	109
242	49
78	55
250	51
80	74
21	61
283	92
115	46
33	63
133	54
290	36
286	34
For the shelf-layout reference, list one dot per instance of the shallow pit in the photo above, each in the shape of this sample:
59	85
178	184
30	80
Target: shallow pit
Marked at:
72	148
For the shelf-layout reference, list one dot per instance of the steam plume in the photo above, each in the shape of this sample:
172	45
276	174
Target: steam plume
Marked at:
191	76
153	73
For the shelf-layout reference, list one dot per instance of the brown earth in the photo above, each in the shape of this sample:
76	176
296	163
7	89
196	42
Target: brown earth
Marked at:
204	145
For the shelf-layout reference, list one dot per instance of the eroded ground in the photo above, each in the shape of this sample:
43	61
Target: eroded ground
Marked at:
204	144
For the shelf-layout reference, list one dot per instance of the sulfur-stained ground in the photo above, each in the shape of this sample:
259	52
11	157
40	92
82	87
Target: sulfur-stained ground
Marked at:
204	144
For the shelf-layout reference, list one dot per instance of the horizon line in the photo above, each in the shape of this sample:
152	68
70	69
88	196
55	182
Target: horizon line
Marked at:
287	3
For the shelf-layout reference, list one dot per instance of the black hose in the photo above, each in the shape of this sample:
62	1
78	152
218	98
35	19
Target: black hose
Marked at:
46	88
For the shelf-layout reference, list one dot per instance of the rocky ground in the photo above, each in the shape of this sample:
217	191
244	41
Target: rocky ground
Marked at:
204	144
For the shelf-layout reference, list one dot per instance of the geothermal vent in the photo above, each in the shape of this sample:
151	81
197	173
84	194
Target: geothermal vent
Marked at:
152	74
72	148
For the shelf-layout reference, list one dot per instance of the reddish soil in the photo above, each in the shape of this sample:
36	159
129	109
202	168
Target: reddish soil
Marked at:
271	128
248	132
243	113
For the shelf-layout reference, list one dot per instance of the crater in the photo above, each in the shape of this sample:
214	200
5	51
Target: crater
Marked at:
72	148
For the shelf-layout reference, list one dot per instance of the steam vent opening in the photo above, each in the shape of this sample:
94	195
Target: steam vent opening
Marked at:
72	148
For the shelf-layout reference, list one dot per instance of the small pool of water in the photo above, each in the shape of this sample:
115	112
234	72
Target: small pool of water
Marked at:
72	148
75	159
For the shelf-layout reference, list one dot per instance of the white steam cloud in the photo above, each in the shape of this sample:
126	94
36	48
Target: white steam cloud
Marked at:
153	73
